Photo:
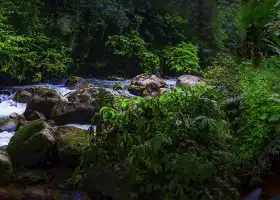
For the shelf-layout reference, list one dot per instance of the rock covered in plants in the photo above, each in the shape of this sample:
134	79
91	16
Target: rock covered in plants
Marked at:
145	85
71	142
81	105
23	96
31	143
77	82
6	169
43	100
8	125
187	80
118	86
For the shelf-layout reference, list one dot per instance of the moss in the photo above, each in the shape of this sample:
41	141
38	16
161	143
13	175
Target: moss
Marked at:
30	143
71	143
118	86
30	178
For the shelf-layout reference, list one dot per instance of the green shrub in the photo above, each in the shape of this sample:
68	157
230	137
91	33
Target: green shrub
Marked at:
132	46
223	74
176	146
182	57
260	91
23	56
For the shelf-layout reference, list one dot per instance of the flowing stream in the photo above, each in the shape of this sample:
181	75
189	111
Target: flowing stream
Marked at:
9	106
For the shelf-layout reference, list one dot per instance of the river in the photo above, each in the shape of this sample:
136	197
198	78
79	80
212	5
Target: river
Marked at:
9	106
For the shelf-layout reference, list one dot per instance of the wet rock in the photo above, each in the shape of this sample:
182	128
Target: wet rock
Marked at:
39	192
30	178
146	85
71	142
115	78
77	82
8	125
31	143
81	106
14	116
6	170
23	96
44	100
164	90
187	80
31	115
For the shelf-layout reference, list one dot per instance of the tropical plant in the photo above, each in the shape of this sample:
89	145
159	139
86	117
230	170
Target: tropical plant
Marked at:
182	57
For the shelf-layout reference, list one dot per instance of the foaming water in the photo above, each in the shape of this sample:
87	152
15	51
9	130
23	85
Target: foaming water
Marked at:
5	138
9	106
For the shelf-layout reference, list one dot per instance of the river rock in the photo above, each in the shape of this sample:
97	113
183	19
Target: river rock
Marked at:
8	125
187	80
31	143
31	115
144	85
39	192
109	181
30	178
23	96
71	142
44	100
14	116
81	106
6	169
77	82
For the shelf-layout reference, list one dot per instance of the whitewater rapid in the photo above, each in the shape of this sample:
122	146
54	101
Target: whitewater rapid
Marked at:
9	106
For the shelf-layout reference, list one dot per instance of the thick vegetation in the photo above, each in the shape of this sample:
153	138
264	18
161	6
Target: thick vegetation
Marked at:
198	142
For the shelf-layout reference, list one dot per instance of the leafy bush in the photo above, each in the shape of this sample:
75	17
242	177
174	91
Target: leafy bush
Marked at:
29	57
260	91
223	74
131	46
182	57
176	146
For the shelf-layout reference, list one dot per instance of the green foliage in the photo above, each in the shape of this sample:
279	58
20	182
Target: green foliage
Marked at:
132	46
223	73
118	86
34	56
182	57
260	91
176	146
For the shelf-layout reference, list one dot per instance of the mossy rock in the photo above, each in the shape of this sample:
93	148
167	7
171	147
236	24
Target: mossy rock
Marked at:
30	178
77	82
6	169
118	86
31	143
23	96
71	142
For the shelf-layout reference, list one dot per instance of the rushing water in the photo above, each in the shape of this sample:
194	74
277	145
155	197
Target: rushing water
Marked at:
9	106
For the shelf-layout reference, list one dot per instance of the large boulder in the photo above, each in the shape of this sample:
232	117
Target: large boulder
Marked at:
81	106
144	85
71	142
31	143
77	82
23	96
44	100
6	169
109	181
187	80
